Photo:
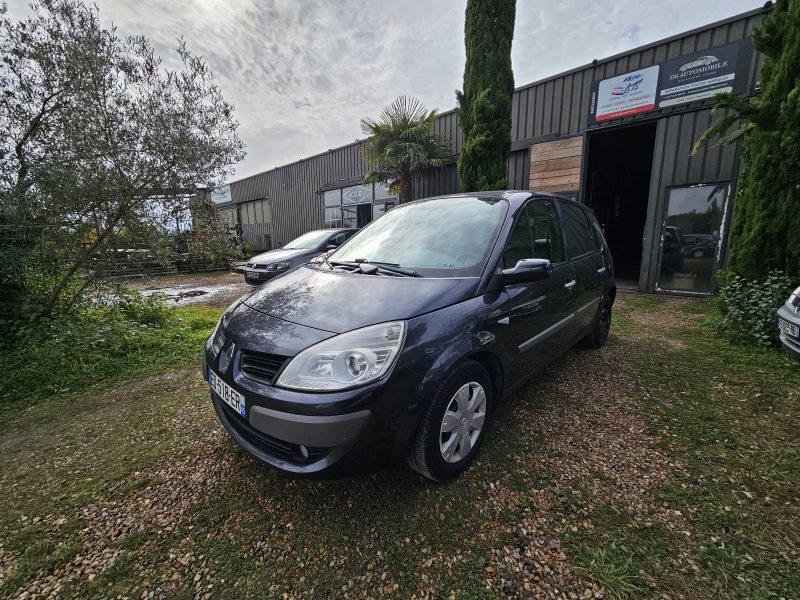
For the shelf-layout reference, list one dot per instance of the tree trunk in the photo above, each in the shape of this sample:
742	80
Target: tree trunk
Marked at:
406	189
82	259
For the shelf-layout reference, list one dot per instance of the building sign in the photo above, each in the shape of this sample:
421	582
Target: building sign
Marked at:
357	194
221	195
680	80
624	95
703	75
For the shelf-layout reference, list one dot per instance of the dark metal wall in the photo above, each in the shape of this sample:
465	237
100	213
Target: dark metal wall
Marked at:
673	165
554	107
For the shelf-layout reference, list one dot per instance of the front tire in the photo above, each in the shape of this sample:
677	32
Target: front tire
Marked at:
453	426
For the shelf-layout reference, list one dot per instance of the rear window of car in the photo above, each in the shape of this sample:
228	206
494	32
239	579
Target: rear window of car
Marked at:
580	238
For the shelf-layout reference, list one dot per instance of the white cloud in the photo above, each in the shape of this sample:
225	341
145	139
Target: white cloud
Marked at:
302	73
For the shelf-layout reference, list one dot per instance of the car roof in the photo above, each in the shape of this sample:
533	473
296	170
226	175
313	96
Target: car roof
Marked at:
333	230
514	197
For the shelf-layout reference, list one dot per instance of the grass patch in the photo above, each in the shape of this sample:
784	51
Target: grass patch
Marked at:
100	345
736	426
38	550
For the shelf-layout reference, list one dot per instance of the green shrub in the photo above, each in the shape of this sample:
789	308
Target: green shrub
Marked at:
134	336
749	306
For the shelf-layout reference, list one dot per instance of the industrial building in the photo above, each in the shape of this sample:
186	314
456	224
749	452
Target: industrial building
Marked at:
616	134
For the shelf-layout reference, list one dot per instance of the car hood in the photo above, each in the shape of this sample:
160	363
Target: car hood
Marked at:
281	254
339	302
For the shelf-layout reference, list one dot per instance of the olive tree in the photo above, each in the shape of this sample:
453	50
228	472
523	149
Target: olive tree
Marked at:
100	136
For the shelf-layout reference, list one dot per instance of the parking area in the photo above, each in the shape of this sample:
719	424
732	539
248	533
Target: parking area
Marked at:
621	472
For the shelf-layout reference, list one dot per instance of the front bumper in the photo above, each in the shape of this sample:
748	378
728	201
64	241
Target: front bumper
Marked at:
325	435
789	342
259	276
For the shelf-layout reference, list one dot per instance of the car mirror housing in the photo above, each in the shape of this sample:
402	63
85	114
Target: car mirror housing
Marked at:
528	269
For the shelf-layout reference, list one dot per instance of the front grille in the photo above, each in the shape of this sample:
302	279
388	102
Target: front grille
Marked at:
278	448
261	366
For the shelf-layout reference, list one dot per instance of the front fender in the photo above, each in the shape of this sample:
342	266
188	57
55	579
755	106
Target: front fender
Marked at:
437	341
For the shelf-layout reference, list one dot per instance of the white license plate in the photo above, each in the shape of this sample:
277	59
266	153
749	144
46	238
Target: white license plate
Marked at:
788	328
252	274
229	395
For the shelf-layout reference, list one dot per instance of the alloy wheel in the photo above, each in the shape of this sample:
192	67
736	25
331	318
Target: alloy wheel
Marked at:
462	422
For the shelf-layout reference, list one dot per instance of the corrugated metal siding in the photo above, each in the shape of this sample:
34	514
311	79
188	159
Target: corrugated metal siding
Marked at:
557	106
673	166
256	233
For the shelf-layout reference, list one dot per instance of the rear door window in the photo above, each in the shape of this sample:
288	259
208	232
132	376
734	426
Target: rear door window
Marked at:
594	228
577	230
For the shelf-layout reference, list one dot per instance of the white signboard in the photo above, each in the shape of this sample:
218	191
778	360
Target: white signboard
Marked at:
627	94
221	195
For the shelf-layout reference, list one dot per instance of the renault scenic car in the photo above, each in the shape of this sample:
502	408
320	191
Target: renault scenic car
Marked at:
399	345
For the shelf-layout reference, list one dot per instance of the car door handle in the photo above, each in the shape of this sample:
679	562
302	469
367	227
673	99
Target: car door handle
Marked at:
601	270
570	284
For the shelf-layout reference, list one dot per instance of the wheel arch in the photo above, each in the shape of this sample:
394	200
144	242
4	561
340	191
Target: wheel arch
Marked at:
494	367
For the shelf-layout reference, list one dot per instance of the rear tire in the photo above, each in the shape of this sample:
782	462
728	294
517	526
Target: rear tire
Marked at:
448	437
602	324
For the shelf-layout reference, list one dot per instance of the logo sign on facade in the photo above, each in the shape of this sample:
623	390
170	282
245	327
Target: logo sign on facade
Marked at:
357	194
627	94
680	80
222	194
703	74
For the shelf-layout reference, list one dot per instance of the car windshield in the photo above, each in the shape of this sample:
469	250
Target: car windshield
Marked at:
449	237
312	239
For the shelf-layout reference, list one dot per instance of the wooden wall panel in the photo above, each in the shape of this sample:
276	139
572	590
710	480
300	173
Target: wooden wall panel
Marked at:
556	165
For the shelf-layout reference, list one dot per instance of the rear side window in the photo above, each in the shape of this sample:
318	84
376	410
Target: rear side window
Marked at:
578	230
594	228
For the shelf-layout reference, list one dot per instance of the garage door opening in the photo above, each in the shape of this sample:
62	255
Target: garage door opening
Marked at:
618	177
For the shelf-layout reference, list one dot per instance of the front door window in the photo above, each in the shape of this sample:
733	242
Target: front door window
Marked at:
690	237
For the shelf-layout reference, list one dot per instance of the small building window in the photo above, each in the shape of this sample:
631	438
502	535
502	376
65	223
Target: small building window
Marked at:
333	198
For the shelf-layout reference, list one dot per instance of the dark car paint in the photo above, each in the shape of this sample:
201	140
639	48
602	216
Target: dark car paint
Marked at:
494	321
294	256
329	300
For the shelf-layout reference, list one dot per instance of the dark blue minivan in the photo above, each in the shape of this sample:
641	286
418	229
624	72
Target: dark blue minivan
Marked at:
399	345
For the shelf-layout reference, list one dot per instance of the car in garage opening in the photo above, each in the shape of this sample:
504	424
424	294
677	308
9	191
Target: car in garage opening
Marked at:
401	344
270	264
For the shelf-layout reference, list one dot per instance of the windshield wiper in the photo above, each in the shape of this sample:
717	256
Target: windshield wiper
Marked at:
382	266
392	267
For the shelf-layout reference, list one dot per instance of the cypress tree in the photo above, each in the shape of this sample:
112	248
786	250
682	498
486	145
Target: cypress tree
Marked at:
485	102
765	234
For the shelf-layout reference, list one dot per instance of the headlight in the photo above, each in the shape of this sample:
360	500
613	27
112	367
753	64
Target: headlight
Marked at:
278	266
348	360
794	299
217	339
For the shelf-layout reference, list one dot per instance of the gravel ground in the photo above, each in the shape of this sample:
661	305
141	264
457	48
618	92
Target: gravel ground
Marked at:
569	443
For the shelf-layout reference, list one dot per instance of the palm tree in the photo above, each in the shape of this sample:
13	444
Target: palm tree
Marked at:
401	144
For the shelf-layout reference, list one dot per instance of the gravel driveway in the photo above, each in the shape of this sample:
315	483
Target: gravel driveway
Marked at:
136	492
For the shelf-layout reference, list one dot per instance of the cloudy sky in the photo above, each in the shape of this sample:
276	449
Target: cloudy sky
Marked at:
302	73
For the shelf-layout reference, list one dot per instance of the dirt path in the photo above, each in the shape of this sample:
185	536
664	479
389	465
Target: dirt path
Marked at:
220	288
138	493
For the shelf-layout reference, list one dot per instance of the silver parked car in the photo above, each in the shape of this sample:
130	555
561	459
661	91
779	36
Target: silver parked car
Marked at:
789	322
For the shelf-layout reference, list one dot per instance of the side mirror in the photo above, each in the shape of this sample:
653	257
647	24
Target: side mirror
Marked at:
330	247
528	269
